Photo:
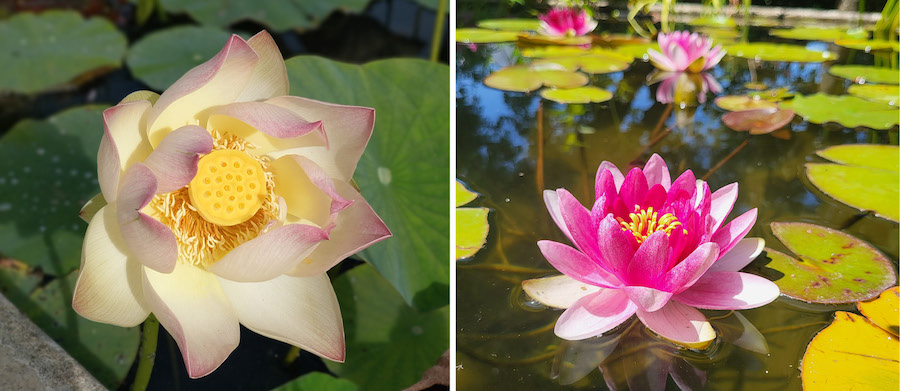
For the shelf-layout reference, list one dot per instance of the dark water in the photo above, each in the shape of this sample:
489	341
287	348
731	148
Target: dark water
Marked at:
506	154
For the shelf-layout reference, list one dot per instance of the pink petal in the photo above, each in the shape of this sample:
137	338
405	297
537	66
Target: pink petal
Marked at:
109	284
270	119
684	274
650	261
301	311
594	314
727	236
356	228
551	200
615	246
729	291
634	189
148	240
660	61
679	323
578	220
269	255
713	57
647	299
605	187
559	291
270	75
190	304
616	174
744	252
174	161
657	173
123	143
300	181
683	188
575	264
722	202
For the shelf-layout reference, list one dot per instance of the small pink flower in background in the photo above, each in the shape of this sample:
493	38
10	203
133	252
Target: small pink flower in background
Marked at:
566	22
652	247
683	51
223	202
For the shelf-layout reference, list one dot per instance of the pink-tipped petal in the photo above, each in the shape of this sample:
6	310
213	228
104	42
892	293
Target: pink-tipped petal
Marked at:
729	291
744	252
683	188
657	173
684	274
616	174
575	264
190	304
660	61
713	57
559	291
615	246
356	228
634	189
91	207
269	255
148	240
109	284
650	261
123	143
270	75
729	235
301	311
308	191
722	202
594	314
551	200
578	221
647	299
274	121
678	322
174	161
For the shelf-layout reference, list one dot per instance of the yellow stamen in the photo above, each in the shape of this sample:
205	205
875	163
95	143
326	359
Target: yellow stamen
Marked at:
645	222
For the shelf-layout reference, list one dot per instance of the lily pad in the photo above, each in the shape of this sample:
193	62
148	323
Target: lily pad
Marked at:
588	94
383	332
471	224
868	45
318	381
537	39
476	35
592	64
43	51
278	15
743	102
17	281
759	121
638	50
464	195
777	52
833	267
772	95
714	21
510	24
862	74
404	171
851	354
884	310
162	57
819	33
887	94
867	179
846	110
755	85
524	78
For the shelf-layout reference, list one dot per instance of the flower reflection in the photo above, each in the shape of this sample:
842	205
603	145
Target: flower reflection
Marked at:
683	88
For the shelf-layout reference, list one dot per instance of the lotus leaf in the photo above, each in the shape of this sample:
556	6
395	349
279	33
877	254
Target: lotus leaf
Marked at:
510	24
881	93
777	52
279	15
866	74
476	35
160	58
866	179
318	381
523	78
846	110
819	33
588	94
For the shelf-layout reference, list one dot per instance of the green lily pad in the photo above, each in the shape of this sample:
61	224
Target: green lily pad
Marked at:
714	21
777	52
819	34
278	15
846	110
833	267
772	95
43	51
464	195
557	52
318	381
593	64
866	74
868	45
588	94
17	281
743	102
510	24
637	50
867	177
404	171
162	57
383	332
475	35
755	85
524	78
881	93
49	171
555	40
471	231
106	351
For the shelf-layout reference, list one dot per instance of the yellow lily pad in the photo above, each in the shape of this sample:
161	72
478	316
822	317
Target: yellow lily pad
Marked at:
464	195
510	24
593	64
524	78
743	102
881	93
862	74
868	45
554	40
777	52
477	35
638	50
883	311
819	33
588	94
471	231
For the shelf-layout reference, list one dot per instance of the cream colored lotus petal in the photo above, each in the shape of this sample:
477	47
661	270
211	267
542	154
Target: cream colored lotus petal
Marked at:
123	144
262	143
270	75
149	241
304	199
91	207
270	254
174	161
557	291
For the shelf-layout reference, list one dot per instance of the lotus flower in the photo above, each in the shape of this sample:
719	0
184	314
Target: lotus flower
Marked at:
224	202
566	22
651	247
682	51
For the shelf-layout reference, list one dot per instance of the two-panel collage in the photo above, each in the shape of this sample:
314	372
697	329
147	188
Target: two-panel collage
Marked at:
472	195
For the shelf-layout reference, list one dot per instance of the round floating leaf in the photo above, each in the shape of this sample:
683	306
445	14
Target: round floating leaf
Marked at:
464	195
38	52
756	86
777	52
471	231
279	15
404	171
759	121
866	74
318	381
833	267
881	93
867	45
524	78
556	52
607	39
638	50
868	179
510	24
555	40
884	311
743	102
162	57
474	35
383	332
714	21
851	354
593	64
588	94
819	33
846	110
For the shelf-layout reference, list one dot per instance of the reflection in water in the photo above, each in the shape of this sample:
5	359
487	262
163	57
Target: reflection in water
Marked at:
685	90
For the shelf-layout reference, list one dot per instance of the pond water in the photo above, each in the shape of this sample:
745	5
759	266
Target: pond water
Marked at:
511	146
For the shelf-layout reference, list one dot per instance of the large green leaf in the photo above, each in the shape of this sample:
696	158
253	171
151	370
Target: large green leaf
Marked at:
831	266
49	170
819	33
318	381
162	57
38	52
846	110
389	344
279	15
866	179
404	173
866	74
777	52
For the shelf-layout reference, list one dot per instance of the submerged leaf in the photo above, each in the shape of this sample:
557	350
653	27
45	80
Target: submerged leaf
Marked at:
848	111
862	74
868	179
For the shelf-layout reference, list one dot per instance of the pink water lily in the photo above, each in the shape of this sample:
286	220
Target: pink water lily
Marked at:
650	247
223	202
684	51
566	22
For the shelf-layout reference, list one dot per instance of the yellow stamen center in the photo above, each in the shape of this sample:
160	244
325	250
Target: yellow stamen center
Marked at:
645	222
229	187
